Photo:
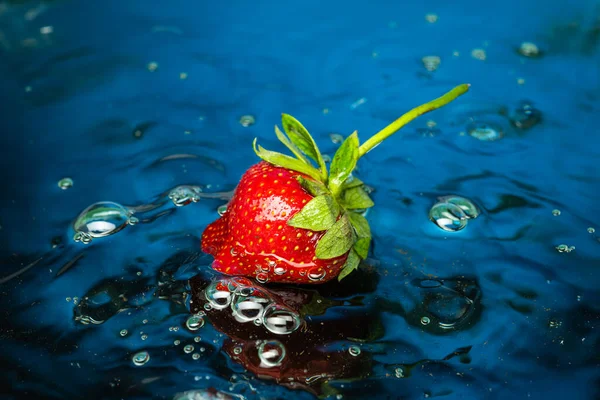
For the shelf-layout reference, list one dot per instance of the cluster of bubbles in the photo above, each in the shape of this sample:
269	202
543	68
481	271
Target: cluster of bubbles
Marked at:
184	194
250	303
451	213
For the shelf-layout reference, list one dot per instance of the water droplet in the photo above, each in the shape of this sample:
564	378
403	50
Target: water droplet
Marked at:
194	322
271	353
249	308
336	138
529	49
279	270
425	320
280	320
197	339
563	248
591	230
222	209
184	195
133	220
317	274
399	372
525	116
207	307
431	63
140	358
448	216
237	350
196	356
188	348
556	213
177	342
247	120
262	277
123	332
65	183
100	219
217	296
465	205
485	131
144	337
233	252
354	351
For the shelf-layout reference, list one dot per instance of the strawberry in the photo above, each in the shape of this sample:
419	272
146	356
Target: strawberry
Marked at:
289	221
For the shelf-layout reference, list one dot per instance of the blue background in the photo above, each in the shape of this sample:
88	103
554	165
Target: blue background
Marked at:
71	100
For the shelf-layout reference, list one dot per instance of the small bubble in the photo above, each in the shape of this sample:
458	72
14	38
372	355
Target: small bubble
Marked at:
65	183
479	54
140	358
177	342
152	66
554	323
317	274
197	339
579	297
425	320
484	131
247	120
556	213
271	353
237	350
591	230
194	322
133	220
123	332
222	210
258	322
529	49
196	356
207	307
184	194
525	116
99	220
336	138
175	328
68	299
188	348
399	372
431	18
183	75
563	248
354	350
339	396
326	158
144	337
279	270
46	30
325	111
447	216
138	133
262	277
431	63
145	321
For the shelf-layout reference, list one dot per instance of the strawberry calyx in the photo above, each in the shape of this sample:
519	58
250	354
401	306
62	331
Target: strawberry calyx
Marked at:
339	198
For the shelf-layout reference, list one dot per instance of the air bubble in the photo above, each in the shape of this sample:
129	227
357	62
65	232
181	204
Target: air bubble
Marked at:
563	248
222	210
399	372
123	332
197	339
188	348
465	205
247	120
591	230
194	322
525	116
196	356
271	353
177	342
262	277
217	297
65	183
425	321
249	308
485	131
184	195
279	270
140	358
280	320
144	337
133	220
99	220
448	216
258	322
529	49
556	213
431	63
237	350
336	138
354	351
317	274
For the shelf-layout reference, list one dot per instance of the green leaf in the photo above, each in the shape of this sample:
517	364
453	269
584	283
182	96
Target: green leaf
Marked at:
304	141
284	161
343	163
337	241
315	188
351	264
351	182
363	232
356	199
293	148
318	214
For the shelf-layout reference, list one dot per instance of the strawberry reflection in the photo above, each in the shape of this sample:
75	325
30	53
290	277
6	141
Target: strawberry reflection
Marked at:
279	333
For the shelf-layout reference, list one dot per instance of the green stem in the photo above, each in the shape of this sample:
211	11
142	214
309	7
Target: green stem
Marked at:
409	116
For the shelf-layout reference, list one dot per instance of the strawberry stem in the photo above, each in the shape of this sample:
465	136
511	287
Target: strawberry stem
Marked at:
392	128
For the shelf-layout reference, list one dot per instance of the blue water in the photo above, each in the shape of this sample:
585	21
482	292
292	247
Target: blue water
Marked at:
509	315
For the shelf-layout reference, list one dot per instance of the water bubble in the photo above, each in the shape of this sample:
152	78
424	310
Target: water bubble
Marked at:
448	216
279	270
65	183
140	358
196	356
188	348
247	120
354	351
554	323
258	322
399	372
177	342
184	195
431	18
529	49
123	332
237	350
556	213
271	353
152	66
591	230
144	337
100	219
525	116
317	274
194	322
207	307
197	339
133	220
249	308
479	54
280	320
485	131
431	63
262	277
222	209
465	205
563	248
425	320
336	138
217	297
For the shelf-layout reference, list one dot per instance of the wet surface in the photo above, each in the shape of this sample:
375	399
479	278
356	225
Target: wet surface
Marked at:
126	127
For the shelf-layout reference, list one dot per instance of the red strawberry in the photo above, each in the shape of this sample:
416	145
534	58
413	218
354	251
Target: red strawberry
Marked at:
291	222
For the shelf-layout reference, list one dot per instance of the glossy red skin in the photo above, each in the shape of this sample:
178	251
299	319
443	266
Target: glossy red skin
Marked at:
253	236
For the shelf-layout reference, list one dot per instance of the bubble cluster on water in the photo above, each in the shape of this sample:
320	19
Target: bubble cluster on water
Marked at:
101	219
183	195
452	213
563	248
